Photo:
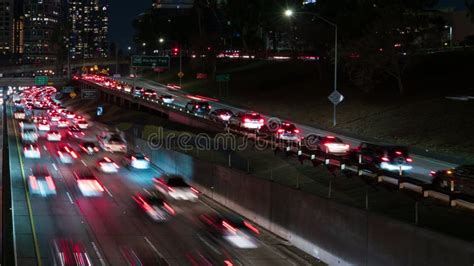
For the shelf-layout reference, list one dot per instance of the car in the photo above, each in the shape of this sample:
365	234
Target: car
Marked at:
456	180
68	114
53	135
78	118
154	206
41	182
66	153
44	126
383	157
55	117
107	165
234	229
137	92
148	93
166	98
137	161
31	151
89	147
247	120
112	141
174	187
287	132
82	124
87	183
75	132
19	114
328	144
63	123
198	107
67	252
221	115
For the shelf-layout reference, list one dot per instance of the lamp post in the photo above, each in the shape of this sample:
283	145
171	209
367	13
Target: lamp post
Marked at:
289	13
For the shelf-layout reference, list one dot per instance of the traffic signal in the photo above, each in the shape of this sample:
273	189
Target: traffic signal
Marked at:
175	51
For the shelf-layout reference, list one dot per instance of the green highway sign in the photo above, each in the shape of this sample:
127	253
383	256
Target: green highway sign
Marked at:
150	61
223	77
41	80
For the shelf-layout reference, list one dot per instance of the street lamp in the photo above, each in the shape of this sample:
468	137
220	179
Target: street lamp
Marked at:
161	40
289	13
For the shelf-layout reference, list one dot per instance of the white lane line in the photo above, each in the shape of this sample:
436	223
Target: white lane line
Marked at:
45	148
55	167
108	192
69	196
209	245
84	163
98	253
153	247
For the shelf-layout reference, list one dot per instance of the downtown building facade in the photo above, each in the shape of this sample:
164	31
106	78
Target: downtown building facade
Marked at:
6	26
89	29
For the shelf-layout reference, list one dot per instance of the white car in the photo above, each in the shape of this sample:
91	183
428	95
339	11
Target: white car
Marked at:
66	154
44	126
107	165
332	145
82	124
63	123
88	184
41	182
31	151
53	135
169	99
137	161
174	186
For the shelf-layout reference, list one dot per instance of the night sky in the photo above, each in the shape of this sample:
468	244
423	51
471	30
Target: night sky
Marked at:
122	13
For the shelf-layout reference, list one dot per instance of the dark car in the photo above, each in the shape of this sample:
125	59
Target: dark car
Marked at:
154	206
198	107
89	147
457	180
221	115
384	157
231	228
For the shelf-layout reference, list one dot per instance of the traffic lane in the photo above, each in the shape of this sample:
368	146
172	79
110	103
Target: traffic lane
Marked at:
187	225
174	240
56	217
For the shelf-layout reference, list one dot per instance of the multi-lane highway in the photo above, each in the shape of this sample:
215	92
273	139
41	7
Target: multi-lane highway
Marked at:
111	229
421	165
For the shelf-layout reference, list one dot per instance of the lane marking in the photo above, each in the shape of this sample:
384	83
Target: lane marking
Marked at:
153	247
98	253
55	167
70	198
108	192
28	202
84	163
45	148
209	245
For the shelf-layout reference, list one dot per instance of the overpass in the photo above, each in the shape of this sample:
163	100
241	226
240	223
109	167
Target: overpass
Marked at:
26	68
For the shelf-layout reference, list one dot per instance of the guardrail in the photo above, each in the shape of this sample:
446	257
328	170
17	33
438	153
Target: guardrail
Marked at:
347	166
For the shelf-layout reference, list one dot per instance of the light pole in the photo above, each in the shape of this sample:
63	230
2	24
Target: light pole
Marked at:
289	13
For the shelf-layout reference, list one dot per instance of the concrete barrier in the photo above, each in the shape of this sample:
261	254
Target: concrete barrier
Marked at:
334	233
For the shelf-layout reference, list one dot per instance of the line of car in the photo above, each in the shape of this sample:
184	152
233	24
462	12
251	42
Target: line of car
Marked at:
156	204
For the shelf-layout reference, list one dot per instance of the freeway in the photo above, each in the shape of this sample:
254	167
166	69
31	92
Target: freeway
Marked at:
111	228
421	166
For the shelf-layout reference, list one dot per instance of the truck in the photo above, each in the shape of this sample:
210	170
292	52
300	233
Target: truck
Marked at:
112	141
29	132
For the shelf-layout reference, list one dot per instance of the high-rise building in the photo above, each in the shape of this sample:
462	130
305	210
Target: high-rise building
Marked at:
89	28
41	20
6	26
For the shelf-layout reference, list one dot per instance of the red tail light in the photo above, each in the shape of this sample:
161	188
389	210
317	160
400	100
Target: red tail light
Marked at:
261	120
34	182
60	154
169	208
246	120
74	155
281	130
398	153
229	227
146	158
50	182
409	160
385	159
432	173
251	227
197	106
194	190
96	149
296	131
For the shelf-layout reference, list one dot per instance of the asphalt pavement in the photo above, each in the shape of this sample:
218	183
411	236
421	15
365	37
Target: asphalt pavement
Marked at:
111	226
